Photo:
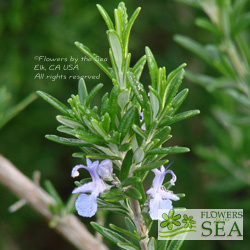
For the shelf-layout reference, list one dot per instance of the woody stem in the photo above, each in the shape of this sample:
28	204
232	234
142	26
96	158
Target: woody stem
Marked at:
140	224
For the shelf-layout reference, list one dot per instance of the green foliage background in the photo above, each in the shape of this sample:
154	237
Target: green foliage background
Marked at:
49	28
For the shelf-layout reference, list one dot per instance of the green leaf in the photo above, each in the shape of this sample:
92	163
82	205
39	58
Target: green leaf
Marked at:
173	83
130	181
176	244
52	191
66	141
96	59
208	82
93	92
111	193
195	48
54	102
124	231
70	204
116	198
129	27
69	122
116	47
138	67
153	68
167	185
118	22
105	104
109	234
138	156
139	186
123	98
155	102
102	156
179	117
240	98
242	23
126	165
129	224
127	246
181	195
112	107
82	182
105	122
152	244
169	150
151	166
124	16
178	100
98	128
13	111
82	90
88	137
206	24
139	91
125	147
162	244
162	134
126	122
139	131
105	16
133	193
117	208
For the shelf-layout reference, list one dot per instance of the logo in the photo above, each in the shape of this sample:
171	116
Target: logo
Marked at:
200	224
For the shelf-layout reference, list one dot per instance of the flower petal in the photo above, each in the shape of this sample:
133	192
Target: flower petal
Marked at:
86	205
166	204
154	205
169	195
74	172
86	188
89	162
174	178
157	203
105	169
152	192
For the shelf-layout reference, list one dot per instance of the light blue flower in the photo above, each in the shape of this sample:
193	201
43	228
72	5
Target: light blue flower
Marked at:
143	126
86	204
161	198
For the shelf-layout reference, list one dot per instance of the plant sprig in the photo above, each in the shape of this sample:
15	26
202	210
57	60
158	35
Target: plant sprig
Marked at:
129	128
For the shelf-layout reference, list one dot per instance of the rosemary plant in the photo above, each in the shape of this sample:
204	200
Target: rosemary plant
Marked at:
120	142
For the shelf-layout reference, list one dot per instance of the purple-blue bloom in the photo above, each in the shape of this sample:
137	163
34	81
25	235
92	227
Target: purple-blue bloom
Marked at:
161	198
143	127
86	204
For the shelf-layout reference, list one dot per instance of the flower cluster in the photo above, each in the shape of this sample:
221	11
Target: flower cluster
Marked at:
86	204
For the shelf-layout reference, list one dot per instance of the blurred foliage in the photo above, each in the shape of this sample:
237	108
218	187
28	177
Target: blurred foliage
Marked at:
226	52
49	28
8	112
